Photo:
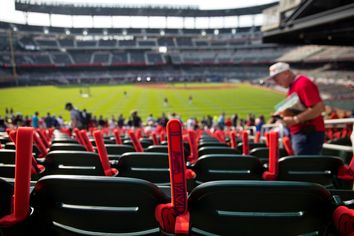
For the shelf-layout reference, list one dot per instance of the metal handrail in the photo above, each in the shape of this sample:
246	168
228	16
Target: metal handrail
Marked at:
281	128
336	146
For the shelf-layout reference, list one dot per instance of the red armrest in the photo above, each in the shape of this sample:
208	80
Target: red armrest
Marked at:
21	197
343	218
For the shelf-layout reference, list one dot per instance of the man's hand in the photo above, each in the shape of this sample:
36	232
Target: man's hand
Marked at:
289	121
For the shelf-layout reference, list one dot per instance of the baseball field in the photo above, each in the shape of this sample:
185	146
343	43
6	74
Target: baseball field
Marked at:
186	100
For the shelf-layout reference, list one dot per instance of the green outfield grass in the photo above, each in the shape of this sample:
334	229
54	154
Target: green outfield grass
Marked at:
110	100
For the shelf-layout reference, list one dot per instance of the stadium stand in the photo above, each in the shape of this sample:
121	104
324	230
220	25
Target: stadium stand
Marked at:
194	182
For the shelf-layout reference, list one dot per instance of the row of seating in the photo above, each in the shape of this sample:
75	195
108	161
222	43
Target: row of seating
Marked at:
213	207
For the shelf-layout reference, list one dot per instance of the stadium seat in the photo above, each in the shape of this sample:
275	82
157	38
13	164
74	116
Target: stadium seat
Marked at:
157	148
11	145
216	150
213	167
85	205
8	164
73	163
66	140
118	149
144	144
185	145
67	147
316	169
152	167
259	208
214	144
263	152
105	141
251	145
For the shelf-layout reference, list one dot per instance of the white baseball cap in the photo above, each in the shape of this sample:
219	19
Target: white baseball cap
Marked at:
277	68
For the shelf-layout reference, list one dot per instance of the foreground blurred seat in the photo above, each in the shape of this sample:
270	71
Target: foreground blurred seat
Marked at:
85	205
259	208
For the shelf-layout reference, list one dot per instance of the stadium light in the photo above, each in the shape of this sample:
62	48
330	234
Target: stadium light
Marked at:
46	31
14	28
67	32
124	32
216	32
138	78
105	32
84	32
162	32
162	49
148	79
203	33
233	31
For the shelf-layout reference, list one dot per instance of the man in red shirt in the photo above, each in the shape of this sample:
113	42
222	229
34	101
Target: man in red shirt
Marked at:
306	128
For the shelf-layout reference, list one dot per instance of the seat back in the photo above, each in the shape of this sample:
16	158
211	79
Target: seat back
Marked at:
118	149
86	205
216	150
251	145
208	144
7	163
93	142
67	147
152	167
157	148
263	153
317	169
12	146
143	143
227	167
259	208
73	163
64	140
7	191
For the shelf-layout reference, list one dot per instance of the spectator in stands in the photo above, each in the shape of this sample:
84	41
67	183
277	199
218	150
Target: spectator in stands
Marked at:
112	122
27	121
120	121
250	120
259	123
48	120
74	116
190	123
101	122
150	121
333	114
35	120
228	122
86	117
221	121
2	124
234	120
306	128
60	122
136	120
163	120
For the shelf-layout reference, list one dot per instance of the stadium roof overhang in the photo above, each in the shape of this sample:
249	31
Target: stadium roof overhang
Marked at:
116	10
333	26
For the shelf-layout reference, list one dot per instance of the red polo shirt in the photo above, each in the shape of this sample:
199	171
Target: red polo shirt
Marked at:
309	96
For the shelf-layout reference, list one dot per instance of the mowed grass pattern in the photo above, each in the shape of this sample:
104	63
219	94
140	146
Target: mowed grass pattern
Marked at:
110	100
